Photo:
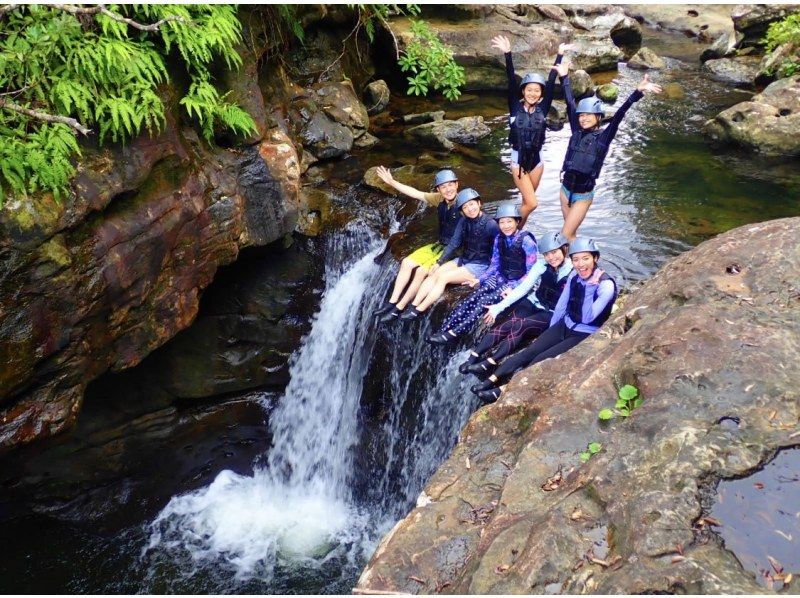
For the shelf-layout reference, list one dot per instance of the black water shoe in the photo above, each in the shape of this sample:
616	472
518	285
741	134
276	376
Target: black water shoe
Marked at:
489	396
392	316
410	314
387	308
482	367
481	386
442	338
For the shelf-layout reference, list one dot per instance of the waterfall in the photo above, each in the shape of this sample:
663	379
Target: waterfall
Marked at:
300	515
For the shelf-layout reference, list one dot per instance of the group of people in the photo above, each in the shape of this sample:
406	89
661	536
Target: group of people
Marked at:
562	298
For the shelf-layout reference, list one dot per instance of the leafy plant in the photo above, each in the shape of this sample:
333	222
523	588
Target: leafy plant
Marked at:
785	31
628	400
591	450
431	64
69	69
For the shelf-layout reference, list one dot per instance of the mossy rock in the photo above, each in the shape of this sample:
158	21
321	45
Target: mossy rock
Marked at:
608	93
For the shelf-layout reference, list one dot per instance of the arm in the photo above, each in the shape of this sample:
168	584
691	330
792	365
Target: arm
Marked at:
522	289
454	244
494	264
611	130
561	307
547	100
605	293
573	117
513	90
386	176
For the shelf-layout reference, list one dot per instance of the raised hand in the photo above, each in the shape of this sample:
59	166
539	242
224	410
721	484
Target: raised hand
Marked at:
385	175
646	85
502	43
563	48
562	69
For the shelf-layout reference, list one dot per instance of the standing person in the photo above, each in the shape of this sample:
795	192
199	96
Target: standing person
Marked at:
587	148
584	305
527	117
474	234
415	267
513	256
530	316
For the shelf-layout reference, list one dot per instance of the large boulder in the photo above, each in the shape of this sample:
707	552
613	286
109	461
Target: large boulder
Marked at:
581	83
445	133
768	123
627	34
608	93
326	138
377	96
711	343
753	20
702	21
724	45
740	71
341	104
645	59
596	53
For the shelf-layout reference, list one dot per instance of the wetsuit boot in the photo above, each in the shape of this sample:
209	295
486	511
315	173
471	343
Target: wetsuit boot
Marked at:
392	316
490	395
481	386
470	360
385	309
412	313
481	368
442	338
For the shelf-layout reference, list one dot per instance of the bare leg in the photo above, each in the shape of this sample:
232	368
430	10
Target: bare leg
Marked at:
525	185
429	282
456	276
420	275
564	205
403	276
576	214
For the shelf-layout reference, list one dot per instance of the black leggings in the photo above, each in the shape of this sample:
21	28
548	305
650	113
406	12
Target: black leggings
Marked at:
554	341
524	322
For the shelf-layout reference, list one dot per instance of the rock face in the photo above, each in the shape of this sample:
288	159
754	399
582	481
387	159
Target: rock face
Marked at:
753	20
703	21
645	59
513	510
100	280
768	123
442	134
740	71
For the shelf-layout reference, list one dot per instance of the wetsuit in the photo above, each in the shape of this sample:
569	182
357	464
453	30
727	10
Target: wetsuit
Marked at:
529	316
476	237
512	259
587	148
581	309
527	140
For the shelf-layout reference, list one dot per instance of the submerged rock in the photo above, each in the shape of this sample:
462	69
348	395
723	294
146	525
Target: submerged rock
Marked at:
740	71
514	510
645	59
767	123
423	117
445	133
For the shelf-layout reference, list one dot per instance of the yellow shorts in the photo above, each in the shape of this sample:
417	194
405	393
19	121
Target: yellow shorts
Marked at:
427	255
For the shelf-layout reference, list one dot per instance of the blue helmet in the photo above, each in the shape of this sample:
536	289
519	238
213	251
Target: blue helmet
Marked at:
583	244
591	105
551	241
466	195
507	210
444	176
531	78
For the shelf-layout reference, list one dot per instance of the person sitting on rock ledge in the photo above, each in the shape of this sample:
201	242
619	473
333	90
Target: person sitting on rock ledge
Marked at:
587	149
415	267
532	303
527	119
584	305
474	234
513	256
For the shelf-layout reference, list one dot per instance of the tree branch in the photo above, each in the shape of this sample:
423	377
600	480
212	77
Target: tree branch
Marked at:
43	116
101	8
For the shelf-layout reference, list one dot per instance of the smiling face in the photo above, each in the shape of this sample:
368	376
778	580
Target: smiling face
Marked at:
471	209
532	93
587	120
584	263
555	258
508	226
448	190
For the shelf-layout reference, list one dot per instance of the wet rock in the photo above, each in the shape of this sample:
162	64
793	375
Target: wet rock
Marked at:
423	117
596	53
340	103
768	123
627	34
771	64
695	20
244	91
445	133
608	93
325	138
366	141
408	175
753	20
552	12
740	71
515	510
557	117
724	45
377	96
582	84
645	59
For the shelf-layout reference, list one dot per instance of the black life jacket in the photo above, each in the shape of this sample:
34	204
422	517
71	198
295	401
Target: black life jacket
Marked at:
576	298
584	159
479	237
512	259
550	287
530	128
448	220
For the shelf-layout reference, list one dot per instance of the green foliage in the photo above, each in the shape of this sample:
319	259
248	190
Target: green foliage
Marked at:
628	400
104	73
368	14
431	64
785	31
591	450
